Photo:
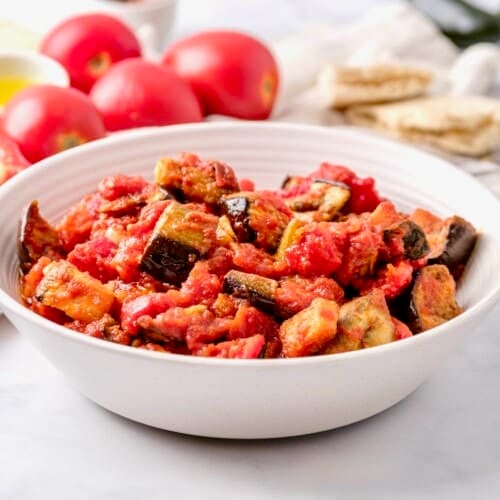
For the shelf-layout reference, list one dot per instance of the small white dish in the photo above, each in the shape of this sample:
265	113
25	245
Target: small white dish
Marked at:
152	20
30	67
264	398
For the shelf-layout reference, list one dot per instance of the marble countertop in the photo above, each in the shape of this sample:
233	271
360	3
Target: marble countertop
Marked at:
441	442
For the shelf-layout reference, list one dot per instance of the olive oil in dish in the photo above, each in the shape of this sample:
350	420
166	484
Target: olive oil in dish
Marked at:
10	85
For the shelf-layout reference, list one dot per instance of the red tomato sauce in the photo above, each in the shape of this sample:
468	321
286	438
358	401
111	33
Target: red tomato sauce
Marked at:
262	276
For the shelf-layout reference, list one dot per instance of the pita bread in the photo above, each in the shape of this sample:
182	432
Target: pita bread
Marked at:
343	86
467	126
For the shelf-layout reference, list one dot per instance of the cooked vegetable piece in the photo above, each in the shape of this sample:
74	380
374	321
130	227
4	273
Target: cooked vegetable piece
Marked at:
258	290
190	179
409	237
432	299
259	217
364	322
290	236
36	238
310	330
451	240
225	233
236	209
182	234
323	196
77	294
460	241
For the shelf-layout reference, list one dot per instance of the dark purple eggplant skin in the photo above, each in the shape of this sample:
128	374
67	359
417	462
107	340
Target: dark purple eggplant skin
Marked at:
35	238
460	242
236	208
254	288
414	240
168	261
406	306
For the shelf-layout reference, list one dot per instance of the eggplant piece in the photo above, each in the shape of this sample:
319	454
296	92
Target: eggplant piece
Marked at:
181	236
190	179
363	322
225	233
310	330
432	298
258	217
290	235
36	238
324	197
461	238
451	241
236	210
411	236
76	293
258	290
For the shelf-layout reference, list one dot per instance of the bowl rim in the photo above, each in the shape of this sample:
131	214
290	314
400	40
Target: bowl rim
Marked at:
10	304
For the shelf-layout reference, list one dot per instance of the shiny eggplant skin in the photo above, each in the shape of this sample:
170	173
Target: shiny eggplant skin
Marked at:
193	180
323	199
258	290
168	260
181	236
430	301
36	237
236	209
412	236
258	217
460	242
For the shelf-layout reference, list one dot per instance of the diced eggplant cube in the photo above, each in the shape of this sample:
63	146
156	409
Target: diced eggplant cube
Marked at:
36	237
323	196
168	260
258	217
181	236
364	322
451	240
290	235
432	298
310	330
236	209
258	290
76	293
412	237
334	199
460	241
191	179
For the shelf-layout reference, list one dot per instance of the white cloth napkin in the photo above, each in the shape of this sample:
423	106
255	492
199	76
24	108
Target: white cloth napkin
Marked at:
392	32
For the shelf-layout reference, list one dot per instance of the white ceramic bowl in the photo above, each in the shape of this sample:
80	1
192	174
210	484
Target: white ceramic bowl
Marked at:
252	398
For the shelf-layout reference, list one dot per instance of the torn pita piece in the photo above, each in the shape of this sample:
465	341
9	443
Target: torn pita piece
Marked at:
344	86
467	126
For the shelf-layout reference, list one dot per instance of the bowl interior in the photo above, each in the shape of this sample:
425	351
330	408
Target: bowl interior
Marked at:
266	153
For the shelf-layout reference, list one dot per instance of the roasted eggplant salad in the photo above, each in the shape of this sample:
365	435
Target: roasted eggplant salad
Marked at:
202	263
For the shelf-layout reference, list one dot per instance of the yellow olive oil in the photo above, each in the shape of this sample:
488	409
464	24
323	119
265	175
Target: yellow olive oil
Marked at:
10	85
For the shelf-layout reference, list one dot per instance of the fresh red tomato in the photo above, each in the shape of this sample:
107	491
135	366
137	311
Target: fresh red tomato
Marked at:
46	119
12	160
139	93
231	73
87	45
